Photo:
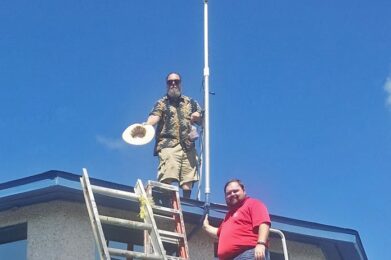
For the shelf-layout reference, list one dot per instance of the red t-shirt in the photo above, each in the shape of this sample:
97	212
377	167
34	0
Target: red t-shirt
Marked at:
239	230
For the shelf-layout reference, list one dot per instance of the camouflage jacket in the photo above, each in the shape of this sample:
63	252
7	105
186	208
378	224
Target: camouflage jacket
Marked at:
174	125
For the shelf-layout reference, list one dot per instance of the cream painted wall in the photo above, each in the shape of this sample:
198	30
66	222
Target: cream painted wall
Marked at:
61	230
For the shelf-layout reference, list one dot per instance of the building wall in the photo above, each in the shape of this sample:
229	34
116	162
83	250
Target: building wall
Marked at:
297	251
61	230
55	230
201	246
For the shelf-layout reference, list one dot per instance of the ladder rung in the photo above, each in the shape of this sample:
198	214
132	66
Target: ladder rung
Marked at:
170	240
125	223
164	217
159	209
163	186
138	255
115	193
171	237
169	257
166	233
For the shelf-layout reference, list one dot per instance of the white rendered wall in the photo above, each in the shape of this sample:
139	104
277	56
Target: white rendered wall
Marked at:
298	251
55	230
201	246
61	230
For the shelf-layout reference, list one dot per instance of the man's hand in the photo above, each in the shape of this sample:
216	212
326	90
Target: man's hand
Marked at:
195	117
212	231
206	222
138	131
193	135
263	234
260	252
153	120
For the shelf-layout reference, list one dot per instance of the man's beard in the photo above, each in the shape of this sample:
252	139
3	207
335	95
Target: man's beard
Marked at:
174	93
231	203
235	203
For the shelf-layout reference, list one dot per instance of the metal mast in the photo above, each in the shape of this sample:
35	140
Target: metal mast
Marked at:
206	98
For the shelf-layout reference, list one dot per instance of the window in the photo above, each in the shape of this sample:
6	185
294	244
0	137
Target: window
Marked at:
122	238
13	242
123	246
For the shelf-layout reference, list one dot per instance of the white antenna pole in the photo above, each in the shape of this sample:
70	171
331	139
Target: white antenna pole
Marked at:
206	97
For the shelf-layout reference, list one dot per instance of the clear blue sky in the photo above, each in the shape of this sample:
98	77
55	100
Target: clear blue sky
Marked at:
302	111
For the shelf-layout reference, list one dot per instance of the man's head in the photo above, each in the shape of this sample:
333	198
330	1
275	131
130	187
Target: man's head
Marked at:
174	87
234	192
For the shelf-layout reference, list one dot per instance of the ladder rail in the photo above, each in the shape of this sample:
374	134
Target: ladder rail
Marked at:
178	237
180	226
93	214
154	234
283	241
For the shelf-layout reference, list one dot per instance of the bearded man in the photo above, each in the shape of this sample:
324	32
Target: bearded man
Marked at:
244	232
174	116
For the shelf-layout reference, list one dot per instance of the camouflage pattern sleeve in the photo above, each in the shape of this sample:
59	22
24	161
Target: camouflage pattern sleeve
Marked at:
158	108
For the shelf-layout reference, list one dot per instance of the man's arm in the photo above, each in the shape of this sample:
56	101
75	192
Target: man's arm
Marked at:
263	234
212	231
153	120
156	113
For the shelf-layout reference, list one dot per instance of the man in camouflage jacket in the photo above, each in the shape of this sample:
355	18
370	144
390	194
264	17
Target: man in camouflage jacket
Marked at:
174	116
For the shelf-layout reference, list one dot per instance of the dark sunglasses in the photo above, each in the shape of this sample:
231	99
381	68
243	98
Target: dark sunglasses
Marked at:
171	81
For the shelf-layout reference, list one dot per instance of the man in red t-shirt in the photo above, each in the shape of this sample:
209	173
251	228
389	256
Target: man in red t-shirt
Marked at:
244	232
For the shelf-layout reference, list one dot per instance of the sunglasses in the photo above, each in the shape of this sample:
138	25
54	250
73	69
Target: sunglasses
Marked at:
172	81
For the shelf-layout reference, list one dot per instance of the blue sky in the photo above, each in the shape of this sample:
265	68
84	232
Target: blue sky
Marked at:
302	111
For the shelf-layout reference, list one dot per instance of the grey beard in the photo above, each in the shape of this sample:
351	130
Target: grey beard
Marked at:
174	93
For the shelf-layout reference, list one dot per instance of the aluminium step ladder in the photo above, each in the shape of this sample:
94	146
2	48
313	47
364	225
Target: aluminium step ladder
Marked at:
170	211
154	249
